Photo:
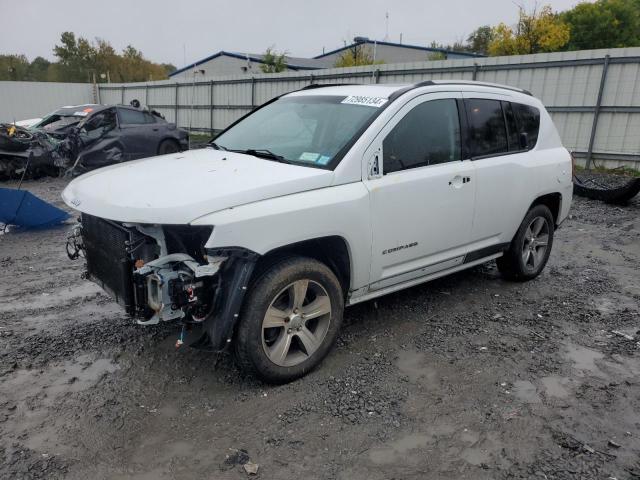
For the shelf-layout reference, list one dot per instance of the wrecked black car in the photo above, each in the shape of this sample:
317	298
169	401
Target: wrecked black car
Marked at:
73	140
59	123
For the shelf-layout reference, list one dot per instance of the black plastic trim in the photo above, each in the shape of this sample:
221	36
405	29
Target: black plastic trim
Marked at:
235	274
431	83
313	86
485	252
465	138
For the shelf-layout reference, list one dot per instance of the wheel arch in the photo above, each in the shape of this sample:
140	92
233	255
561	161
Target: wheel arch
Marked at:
553	201
331	250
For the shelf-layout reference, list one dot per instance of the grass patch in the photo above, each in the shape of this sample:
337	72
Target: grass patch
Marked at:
625	171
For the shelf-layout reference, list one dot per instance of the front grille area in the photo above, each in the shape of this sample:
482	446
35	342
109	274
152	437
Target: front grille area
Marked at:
108	263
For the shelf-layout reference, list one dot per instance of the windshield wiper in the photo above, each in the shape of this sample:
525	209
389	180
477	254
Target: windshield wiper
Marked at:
216	146
264	153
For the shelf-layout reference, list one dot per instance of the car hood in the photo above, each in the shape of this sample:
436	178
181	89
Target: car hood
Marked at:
178	188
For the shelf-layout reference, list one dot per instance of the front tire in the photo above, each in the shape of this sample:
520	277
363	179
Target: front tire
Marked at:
529	250
290	320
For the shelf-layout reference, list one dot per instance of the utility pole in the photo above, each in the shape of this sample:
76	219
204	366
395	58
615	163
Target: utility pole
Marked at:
386	34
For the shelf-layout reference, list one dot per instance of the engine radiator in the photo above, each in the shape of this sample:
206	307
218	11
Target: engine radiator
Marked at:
108	262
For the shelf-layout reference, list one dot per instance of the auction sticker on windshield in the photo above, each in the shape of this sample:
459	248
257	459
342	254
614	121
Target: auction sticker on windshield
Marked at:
367	101
314	157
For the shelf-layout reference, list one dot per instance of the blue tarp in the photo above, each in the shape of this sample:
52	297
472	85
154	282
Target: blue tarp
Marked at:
19	207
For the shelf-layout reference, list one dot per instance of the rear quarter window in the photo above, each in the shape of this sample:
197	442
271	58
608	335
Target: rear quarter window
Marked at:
528	118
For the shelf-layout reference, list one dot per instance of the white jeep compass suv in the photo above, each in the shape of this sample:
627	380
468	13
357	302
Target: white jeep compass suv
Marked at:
320	199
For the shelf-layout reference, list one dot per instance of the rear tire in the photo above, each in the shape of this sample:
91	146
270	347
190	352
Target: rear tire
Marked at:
530	248
290	320
168	146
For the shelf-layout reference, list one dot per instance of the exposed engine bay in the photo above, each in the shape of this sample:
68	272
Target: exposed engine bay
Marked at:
23	150
163	273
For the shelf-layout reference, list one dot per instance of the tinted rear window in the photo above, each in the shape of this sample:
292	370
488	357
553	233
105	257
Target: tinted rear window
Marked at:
528	121
487	130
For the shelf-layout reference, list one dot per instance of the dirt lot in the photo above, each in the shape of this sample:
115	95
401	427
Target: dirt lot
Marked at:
466	377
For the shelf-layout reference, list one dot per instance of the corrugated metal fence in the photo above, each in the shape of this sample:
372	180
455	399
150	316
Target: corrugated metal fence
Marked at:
593	95
24	100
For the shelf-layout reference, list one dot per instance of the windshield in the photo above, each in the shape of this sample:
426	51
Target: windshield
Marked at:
55	122
305	130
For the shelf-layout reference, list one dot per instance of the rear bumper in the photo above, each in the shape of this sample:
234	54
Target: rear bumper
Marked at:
565	203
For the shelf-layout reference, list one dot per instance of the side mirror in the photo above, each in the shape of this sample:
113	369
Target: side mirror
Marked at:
524	141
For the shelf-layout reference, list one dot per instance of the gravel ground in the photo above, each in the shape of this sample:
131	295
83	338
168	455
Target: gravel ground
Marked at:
466	377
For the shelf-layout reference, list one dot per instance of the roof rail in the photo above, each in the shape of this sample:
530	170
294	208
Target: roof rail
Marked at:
428	83
322	85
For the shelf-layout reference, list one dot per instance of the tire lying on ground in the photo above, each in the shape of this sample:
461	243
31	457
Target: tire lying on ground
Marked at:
617	195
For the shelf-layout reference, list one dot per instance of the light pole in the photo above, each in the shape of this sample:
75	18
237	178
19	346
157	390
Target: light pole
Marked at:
193	94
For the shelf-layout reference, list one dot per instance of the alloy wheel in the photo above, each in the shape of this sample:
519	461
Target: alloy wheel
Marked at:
536	241
296	323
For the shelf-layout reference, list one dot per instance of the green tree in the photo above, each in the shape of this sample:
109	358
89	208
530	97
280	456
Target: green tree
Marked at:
74	57
273	62
13	67
480	39
359	54
603	24
39	69
538	31
79	60
168	68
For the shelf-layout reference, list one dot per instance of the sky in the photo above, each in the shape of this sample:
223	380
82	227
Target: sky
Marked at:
182	32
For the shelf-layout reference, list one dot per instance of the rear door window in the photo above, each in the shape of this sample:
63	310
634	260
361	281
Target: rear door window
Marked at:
429	134
529	122
128	116
148	118
487	129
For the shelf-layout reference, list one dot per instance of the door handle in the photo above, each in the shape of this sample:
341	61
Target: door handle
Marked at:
458	181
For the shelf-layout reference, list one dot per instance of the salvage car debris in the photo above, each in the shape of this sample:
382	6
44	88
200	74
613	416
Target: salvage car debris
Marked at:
623	335
315	201
602	187
251	468
75	139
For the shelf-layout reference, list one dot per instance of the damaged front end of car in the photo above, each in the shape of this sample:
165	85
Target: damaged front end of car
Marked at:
164	272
